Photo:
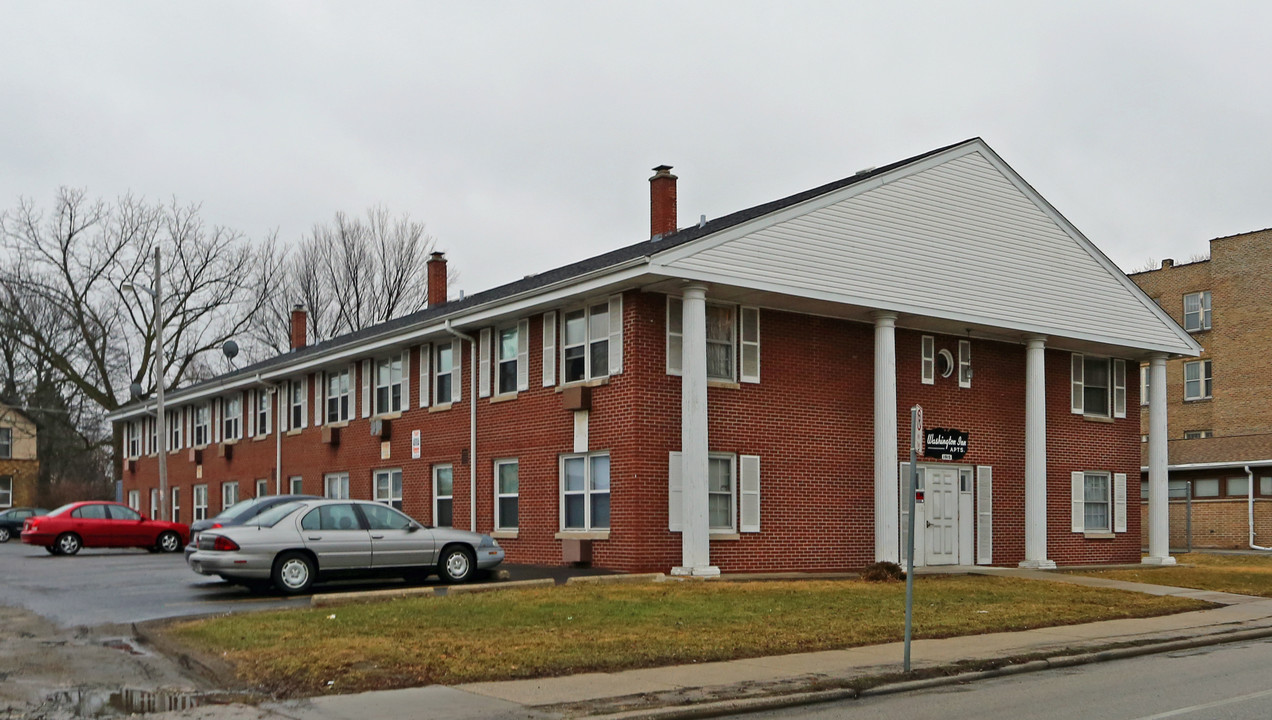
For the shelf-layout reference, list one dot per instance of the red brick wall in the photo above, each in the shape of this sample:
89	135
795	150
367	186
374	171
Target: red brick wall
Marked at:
810	420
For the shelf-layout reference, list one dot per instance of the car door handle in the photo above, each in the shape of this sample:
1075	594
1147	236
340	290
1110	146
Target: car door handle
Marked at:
315	537
377	537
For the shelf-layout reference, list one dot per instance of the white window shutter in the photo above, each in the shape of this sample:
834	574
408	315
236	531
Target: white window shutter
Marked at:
186	421
616	335
1119	502
284	405
523	354
1079	519
320	398
366	388
406	380
304	401
903	481
549	348
675	499
251	413
675	340
1119	388
426	357
457	371
1076	379
750	345
750	492
984	515
928	364
214	418
352	392
483	353
964	363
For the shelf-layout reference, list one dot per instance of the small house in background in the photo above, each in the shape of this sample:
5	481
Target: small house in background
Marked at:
19	463
1220	443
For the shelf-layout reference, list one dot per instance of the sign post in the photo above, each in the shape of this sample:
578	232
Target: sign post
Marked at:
916	446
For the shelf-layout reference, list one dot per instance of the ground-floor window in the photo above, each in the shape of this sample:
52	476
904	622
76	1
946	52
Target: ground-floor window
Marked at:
720	495
176	504
229	494
154	503
585	492
296	485
388	487
506	494
262	487
443	495
336	486
134	500
1096	502
200	502
6	490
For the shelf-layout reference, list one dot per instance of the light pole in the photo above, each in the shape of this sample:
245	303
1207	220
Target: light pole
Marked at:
161	428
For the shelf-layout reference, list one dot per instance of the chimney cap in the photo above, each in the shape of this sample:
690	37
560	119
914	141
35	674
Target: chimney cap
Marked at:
662	171
1167	263
436	255
299	306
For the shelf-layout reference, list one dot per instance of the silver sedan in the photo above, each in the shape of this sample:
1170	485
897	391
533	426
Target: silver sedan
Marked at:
296	544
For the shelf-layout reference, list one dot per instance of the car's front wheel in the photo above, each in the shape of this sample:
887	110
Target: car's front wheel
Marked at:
68	544
169	542
457	564
293	572
5	534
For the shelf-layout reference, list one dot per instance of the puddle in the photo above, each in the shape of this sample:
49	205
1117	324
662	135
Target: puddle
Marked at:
104	702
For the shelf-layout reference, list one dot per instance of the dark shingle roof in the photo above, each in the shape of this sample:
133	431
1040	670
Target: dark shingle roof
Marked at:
645	248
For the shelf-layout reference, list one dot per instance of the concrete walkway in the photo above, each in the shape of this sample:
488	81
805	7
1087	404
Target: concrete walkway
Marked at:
705	689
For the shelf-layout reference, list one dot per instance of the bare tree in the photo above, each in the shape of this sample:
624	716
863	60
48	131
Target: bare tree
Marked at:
350	274
64	306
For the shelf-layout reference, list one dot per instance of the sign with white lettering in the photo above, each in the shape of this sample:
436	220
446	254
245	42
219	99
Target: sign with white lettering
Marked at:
945	443
415	444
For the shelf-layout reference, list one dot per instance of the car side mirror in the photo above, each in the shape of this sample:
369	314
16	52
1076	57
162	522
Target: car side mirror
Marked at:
413	528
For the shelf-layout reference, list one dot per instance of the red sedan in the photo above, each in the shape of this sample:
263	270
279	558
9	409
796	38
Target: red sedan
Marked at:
102	524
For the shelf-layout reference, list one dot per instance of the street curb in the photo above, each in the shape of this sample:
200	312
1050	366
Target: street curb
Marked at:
615	579
349	598
800	698
492	587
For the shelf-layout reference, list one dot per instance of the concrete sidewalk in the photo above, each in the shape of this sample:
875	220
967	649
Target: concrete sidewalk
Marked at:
700	690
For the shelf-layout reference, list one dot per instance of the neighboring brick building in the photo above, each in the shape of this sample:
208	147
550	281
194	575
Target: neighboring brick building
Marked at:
728	396
19	462
1221	427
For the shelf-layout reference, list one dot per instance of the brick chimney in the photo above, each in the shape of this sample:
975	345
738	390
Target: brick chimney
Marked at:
662	202
436	279
1168	264
299	324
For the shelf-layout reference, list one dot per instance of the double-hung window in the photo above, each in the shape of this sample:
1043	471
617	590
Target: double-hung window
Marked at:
335	485
296	485
443	495
6	491
1197	311
298	390
6	443
1099	502
174	430
1098	386
262	487
229	494
443	391
263	400
586	347
134	500
388	385
1096	502
202	415
721	493
153	425
506	494
134	439
1095	394
585	492
338	396
200	502
722	341
508	351
388	487
233	411
1197	380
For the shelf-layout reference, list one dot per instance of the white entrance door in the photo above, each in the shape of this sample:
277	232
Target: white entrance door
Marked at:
941	526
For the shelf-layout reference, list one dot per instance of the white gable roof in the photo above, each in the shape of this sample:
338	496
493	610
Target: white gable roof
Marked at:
957	236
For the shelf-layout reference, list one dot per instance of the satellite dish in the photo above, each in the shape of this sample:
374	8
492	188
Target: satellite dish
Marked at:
230	348
136	390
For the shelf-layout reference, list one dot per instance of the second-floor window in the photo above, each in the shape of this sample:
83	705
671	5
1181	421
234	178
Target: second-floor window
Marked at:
1197	380
388	385
202	413
153	424
1098	386
233	423
508	348
262	410
1197	311
444	390
174	430
134	440
586	347
338	396
297	404
6	443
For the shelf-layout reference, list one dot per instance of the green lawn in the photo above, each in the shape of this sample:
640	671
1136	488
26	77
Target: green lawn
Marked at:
580	628
1240	574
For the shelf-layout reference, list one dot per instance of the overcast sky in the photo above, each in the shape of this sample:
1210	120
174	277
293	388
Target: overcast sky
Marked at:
523	133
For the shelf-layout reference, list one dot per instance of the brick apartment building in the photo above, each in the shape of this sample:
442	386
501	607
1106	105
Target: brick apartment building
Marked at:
729	396
19	461
1221	430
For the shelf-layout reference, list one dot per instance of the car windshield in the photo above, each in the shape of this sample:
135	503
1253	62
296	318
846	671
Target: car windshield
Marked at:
270	517
62	510
239	510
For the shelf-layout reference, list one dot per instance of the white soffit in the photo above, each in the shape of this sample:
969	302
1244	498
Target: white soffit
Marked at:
958	236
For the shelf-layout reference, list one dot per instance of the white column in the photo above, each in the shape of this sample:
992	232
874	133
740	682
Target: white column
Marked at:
887	510
1158	485
1036	454
695	536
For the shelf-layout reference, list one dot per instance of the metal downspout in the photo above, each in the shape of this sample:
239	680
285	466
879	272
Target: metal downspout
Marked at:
472	428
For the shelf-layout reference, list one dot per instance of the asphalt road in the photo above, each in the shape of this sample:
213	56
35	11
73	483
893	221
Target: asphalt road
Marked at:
1228	682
